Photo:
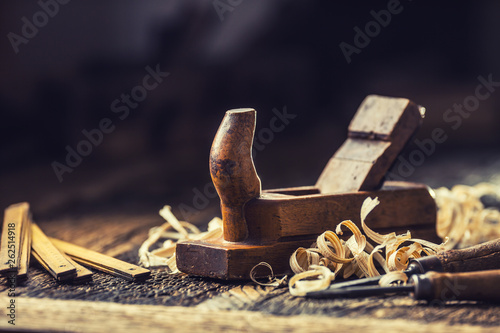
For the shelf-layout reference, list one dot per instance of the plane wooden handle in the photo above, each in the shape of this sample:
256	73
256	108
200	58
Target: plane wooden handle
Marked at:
474	286
233	172
479	257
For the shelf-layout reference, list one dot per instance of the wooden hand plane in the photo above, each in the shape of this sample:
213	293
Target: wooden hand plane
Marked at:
270	225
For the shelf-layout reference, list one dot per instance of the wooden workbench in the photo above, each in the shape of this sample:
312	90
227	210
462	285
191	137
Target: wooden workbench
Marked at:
191	304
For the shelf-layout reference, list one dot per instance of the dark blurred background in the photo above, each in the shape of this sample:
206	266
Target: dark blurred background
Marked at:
220	55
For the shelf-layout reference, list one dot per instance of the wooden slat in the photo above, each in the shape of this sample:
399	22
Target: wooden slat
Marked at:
49	257
24	262
13	230
83	274
102	262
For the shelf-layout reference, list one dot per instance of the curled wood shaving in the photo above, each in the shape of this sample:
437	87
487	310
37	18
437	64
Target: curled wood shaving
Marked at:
303	258
368	205
165	255
315	279
329	241
355	256
462	217
359	244
393	277
273	281
462	221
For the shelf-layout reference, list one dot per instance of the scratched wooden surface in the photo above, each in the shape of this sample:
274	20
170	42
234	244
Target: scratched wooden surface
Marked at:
178	302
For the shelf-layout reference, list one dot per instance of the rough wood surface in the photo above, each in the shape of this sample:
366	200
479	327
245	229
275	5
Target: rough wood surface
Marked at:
485	256
113	224
53	315
275	218
118	236
482	285
206	294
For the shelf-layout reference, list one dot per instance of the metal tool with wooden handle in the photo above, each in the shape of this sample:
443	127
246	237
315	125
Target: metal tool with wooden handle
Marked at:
480	257
472	286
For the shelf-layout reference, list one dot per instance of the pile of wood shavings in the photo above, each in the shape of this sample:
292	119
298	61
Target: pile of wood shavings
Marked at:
462	216
462	221
165	255
315	268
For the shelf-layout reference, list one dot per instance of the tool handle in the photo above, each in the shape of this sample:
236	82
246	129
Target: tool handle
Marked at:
476	258
233	172
475	286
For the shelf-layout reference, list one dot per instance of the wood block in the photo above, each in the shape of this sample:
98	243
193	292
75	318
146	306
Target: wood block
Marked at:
378	132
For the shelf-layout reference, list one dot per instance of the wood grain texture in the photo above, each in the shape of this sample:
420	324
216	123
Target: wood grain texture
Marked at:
232	170
220	259
479	257
24	261
102	262
277	226
403	205
81	316
50	257
475	286
378	132
13	237
83	274
188	292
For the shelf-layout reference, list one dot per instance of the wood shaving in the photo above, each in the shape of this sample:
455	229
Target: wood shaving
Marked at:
303	258
393	277
354	256
273	281
462	216
317	278
165	255
462	221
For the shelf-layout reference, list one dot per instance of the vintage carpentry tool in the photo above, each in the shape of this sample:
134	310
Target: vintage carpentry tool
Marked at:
15	240
24	261
269	225
83	274
55	262
472	286
102	262
20	235
480	257
49	257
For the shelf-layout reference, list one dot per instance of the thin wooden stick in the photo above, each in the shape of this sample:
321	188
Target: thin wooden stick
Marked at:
102	262
49	257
